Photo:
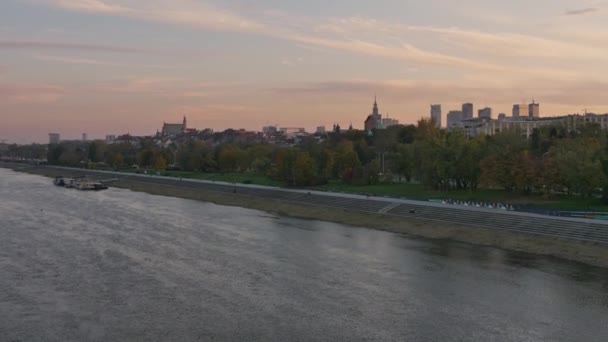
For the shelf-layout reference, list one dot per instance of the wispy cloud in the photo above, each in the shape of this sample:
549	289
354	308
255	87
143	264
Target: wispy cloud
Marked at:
89	5
582	11
155	85
485	51
278	24
30	93
183	12
71	60
96	62
210	90
39	45
219	112
505	62
174	87
490	43
292	62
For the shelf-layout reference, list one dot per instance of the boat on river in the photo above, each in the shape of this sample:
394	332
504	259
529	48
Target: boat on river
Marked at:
59	181
86	185
64	182
79	184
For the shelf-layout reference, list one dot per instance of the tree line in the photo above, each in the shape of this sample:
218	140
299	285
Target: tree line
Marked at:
552	159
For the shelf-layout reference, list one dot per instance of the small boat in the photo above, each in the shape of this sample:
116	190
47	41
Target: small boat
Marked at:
65	182
99	186
79	183
59	181
86	185
70	183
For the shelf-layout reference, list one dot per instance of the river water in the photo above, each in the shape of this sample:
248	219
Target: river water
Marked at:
125	266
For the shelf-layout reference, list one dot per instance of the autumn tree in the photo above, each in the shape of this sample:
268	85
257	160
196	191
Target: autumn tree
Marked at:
402	161
196	156
160	163
346	162
232	159
305	170
580	164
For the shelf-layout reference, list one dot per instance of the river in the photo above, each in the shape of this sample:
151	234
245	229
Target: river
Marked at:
125	266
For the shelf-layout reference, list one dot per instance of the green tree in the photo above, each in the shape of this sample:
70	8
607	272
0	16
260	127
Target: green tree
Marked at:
93	151
346	162
305	170
402	160
371	172
326	163
580	164
195	155
504	162
54	153
231	159
285	166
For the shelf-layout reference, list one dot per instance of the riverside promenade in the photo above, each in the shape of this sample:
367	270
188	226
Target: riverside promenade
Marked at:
578	229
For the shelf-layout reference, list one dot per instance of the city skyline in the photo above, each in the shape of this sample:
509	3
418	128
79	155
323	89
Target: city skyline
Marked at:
113	67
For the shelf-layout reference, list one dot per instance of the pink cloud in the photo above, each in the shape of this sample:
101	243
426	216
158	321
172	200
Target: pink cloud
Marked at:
30	93
189	13
582	11
417	94
38	45
162	85
217	110
89	5
485	51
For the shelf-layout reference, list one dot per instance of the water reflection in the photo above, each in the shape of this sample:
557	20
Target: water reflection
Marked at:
129	266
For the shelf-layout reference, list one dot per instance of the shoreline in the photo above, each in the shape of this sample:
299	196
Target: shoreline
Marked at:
583	252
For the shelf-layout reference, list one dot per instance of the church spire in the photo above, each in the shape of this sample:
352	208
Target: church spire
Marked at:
375	112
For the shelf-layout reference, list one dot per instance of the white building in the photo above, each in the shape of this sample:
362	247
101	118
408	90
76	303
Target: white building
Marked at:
269	129
388	122
292	130
526	125
600	119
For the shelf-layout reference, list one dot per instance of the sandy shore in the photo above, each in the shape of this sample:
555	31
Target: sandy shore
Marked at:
587	253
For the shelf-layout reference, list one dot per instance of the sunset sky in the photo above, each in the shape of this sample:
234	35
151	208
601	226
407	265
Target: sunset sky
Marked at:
117	66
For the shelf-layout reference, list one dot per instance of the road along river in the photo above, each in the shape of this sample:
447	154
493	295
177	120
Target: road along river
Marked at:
121	265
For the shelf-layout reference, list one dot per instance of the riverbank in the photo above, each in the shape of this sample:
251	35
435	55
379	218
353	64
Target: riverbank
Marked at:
554	202
588	253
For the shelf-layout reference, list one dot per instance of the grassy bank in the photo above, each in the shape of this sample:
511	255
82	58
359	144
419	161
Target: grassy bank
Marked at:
241	178
416	191
578	251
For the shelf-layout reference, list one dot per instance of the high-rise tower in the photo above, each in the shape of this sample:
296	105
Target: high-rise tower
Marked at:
436	114
467	111
534	109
